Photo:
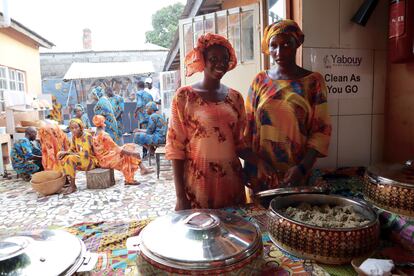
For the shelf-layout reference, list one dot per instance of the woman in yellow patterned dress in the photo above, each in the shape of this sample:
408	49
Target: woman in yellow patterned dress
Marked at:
206	131
80	155
288	125
56	112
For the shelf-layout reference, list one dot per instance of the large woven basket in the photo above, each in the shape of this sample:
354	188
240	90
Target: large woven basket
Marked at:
49	187
30	123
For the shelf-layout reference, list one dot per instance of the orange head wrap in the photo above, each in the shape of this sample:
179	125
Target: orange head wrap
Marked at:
194	60
287	26
98	120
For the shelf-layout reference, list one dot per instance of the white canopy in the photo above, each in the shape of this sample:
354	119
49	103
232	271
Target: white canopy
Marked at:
90	70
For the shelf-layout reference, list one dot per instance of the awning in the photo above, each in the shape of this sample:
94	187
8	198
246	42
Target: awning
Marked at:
91	70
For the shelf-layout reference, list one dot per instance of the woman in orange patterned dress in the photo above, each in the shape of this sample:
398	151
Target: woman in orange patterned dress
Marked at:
125	159
206	130
53	140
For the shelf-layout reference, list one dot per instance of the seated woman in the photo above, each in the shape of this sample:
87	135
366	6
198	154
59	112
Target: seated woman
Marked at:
125	159
81	114
156	130
53	140
80	156
25	156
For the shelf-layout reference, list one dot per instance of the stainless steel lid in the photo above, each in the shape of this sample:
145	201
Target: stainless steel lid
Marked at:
199	239
47	252
392	174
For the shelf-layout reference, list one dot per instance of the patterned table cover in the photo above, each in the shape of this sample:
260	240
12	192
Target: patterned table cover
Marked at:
109	238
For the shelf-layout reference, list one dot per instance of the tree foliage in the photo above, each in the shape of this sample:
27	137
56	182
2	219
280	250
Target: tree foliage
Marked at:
164	24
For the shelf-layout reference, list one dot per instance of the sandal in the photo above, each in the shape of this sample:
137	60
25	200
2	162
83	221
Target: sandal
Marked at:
69	190
135	183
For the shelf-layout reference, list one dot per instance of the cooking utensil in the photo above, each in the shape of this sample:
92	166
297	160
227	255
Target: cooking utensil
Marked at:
199	242
325	245
45	252
391	187
264	197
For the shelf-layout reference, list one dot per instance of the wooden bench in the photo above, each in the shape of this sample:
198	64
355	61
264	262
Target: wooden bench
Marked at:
100	178
158	152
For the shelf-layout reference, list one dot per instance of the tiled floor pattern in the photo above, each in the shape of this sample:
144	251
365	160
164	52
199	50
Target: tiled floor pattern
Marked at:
21	208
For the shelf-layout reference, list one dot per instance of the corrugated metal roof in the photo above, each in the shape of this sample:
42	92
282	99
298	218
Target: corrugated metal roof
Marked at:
146	47
90	70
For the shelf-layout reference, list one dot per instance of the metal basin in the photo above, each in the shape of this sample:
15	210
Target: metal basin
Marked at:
324	245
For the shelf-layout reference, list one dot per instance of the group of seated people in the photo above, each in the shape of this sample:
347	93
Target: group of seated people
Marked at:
87	149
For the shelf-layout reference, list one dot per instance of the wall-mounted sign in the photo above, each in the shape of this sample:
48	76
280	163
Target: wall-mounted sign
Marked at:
347	73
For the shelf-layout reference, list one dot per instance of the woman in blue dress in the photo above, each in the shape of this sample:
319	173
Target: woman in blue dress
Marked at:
118	106
103	107
156	130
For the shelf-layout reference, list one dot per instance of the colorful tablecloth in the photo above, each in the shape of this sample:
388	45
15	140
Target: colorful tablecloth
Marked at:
109	238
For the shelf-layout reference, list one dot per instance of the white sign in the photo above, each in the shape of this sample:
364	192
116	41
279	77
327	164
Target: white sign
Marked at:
347	73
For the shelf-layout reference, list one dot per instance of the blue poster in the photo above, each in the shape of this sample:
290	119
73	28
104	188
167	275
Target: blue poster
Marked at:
64	92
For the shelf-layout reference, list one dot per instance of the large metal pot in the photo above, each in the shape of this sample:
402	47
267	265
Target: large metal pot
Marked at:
325	245
198	242
46	252
391	187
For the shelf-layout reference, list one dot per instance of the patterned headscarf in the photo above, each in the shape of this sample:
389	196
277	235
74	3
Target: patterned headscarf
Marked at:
194	60
98	92
287	26
151	105
79	107
77	121
98	120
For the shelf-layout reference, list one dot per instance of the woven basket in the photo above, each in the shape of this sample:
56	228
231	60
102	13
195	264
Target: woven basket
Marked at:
30	123
45	176
49	187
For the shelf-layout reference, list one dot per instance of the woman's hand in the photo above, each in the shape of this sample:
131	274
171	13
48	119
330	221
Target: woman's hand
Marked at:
269	175
293	177
62	154
182	204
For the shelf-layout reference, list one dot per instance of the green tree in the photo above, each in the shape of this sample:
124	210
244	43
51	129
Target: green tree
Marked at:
165	24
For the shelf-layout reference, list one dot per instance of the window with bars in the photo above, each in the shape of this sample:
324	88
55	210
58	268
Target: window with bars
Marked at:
277	10
12	79
234	24
3	78
3	86
20	81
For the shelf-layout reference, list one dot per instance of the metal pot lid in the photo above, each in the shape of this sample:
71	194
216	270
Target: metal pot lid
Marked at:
392	174
199	239
49	252
291	190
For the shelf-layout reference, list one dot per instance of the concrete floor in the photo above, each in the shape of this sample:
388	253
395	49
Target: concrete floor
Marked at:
21	208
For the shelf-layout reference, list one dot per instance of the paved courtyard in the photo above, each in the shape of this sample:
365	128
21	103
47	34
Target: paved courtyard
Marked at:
21	208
